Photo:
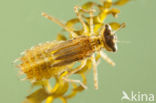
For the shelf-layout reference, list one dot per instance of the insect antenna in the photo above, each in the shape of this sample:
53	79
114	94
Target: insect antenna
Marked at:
125	42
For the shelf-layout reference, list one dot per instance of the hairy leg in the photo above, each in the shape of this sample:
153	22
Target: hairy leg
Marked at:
75	81
59	23
73	71
95	72
76	9
106	58
91	22
83	63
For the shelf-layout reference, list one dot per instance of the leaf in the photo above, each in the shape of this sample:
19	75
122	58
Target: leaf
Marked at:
121	2
97	28
114	25
101	16
37	96
50	99
114	12
86	67
107	4
70	23
61	37
88	5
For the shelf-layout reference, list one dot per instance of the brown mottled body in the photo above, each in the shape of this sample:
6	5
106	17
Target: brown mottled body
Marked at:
36	62
52	58
74	50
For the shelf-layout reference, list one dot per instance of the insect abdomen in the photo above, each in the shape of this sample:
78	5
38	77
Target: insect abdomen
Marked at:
50	59
78	49
36	62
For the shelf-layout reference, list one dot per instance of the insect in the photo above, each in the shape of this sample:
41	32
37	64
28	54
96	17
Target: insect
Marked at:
80	48
51	59
57	59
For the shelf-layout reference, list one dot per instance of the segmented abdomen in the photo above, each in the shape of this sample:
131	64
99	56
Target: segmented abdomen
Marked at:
36	62
52	58
72	50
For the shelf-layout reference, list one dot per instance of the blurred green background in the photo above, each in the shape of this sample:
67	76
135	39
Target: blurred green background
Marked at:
22	26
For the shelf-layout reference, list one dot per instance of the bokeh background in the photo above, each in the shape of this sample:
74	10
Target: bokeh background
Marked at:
22	26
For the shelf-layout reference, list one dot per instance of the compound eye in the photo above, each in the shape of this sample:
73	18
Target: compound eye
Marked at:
114	49
110	41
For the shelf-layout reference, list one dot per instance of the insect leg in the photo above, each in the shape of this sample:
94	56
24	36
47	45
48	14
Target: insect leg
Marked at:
95	72
83	63
80	18
53	19
75	81
106	58
91	22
